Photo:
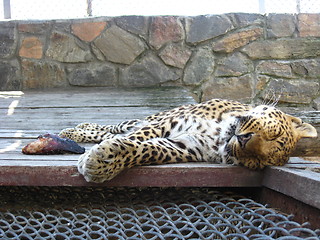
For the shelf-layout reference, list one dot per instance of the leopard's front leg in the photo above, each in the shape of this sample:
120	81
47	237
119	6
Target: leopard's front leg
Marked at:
92	132
107	159
104	161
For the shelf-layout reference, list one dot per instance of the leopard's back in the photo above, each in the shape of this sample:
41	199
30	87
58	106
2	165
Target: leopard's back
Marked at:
213	109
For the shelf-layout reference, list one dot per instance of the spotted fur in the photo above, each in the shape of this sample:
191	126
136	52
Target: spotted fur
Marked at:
217	131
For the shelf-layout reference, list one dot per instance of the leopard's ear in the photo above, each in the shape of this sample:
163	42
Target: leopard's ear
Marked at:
302	129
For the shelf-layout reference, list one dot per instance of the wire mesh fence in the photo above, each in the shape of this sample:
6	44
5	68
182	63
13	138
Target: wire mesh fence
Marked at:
152	213
291	6
58	9
309	6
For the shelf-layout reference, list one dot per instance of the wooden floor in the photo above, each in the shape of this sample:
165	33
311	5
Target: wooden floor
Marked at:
25	115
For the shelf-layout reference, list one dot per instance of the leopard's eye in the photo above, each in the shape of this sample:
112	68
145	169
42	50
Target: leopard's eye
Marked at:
246	136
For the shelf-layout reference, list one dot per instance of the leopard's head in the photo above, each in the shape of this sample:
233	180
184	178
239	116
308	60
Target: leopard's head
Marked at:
266	136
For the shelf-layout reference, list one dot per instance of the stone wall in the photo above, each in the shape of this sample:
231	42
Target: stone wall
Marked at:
245	57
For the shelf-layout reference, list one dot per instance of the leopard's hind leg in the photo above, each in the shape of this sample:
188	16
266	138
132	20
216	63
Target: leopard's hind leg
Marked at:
95	133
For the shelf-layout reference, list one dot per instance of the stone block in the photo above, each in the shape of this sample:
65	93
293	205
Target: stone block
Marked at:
134	24
119	46
261	82
236	40
234	88
40	75
236	64
33	27
31	47
200	67
8	40
316	103
94	74
175	55
283	49
307	68
88	31
66	48
10	77
150	71
280	25
96	51
309	25
275	68
165	29
61	26
292	91
241	20
202	28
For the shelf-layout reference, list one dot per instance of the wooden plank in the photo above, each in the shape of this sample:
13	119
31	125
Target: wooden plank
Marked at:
39	162
76	103
18	155
44	125
7	134
302	185
106	116
54	125
312	117
7	158
101	111
79	97
308	147
308	166
313	159
172	175
299	160
55	113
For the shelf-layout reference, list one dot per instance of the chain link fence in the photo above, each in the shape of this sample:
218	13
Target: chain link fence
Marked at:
289	6
61	9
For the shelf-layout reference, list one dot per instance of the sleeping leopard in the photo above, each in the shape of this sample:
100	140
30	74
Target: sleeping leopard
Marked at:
216	131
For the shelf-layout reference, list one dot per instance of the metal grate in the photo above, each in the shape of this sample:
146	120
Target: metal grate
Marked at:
130	213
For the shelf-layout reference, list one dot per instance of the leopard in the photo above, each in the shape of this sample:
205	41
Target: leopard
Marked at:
216	131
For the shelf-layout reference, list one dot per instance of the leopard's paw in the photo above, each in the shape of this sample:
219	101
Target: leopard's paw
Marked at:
98	165
89	167
74	134
82	135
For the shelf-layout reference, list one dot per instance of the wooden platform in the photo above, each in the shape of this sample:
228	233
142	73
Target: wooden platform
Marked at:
25	115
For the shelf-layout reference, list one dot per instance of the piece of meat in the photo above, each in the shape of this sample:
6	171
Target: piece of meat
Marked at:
52	144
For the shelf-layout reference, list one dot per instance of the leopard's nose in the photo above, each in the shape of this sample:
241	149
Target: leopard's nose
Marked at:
243	139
